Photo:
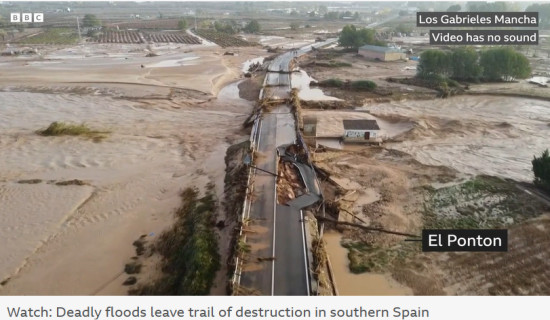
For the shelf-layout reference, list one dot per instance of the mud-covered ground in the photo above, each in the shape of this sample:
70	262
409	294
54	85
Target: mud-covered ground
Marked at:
442	164
165	133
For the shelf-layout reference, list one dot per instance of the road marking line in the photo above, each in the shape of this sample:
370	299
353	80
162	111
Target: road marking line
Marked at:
305	253
273	255
259	135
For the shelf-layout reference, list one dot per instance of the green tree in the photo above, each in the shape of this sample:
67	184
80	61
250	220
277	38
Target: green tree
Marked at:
333	15
434	63
90	20
504	63
454	8
182	24
294	26
252	27
541	169
465	64
224	27
353	38
345	14
403	28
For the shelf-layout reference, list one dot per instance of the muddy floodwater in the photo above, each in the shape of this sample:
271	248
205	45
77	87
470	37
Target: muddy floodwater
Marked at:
53	234
301	82
348	283
474	134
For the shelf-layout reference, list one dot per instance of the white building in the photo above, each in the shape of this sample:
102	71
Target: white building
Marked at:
357	130
382	53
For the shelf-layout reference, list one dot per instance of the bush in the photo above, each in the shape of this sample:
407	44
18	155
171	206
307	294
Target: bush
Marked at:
452	83
363	84
65	129
504	64
252	27
541	169
434	63
61	128
465	64
333	82
435	80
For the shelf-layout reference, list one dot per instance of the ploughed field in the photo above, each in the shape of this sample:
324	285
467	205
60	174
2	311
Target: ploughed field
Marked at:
223	39
142	37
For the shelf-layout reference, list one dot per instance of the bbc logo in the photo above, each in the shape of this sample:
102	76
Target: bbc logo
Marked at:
26	17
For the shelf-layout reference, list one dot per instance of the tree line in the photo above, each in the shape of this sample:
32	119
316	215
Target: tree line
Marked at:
466	64
232	27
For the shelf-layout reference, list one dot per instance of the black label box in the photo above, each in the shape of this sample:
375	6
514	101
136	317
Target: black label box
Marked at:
476	240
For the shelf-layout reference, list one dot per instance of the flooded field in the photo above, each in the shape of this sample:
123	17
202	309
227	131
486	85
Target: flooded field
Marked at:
301	82
474	134
372	284
130	183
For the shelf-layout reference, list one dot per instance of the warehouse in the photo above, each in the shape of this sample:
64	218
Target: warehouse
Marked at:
382	53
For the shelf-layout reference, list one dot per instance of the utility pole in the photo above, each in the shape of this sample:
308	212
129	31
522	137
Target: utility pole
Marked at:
78	26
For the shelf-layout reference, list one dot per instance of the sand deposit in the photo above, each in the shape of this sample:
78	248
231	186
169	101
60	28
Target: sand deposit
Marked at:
474	134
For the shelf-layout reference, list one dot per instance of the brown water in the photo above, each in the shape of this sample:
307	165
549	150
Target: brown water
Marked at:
351	284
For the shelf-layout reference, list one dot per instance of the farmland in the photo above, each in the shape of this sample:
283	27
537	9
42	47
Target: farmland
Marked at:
223	39
120	37
159	24
141	37
179	37
52	36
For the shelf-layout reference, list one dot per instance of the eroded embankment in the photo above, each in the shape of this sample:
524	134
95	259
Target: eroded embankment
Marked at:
188	251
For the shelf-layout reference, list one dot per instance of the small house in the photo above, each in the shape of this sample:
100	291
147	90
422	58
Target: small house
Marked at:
382	53
360	130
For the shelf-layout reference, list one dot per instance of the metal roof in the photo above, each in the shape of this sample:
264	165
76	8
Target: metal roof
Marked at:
361	125
380	49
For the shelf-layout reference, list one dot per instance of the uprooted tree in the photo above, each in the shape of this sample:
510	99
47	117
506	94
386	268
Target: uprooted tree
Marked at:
541	169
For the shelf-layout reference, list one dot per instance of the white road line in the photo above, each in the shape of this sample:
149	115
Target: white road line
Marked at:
259	135
273	254
305	253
